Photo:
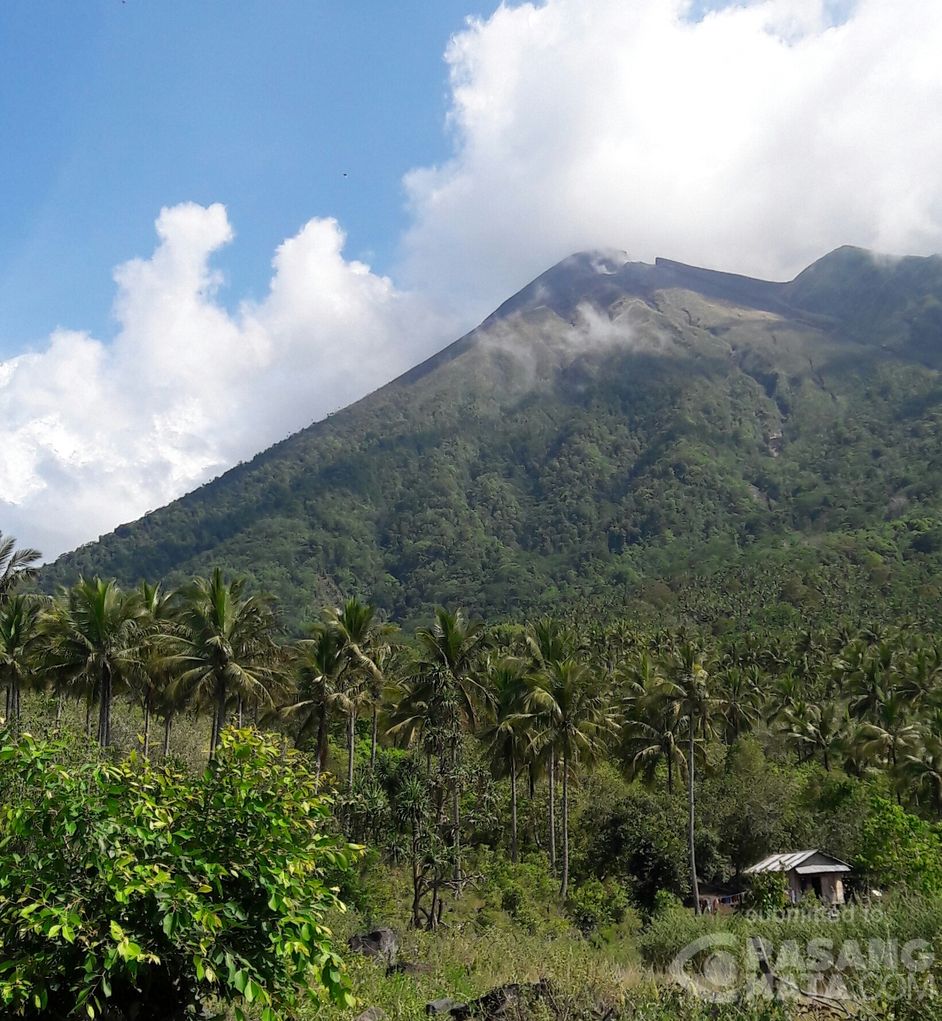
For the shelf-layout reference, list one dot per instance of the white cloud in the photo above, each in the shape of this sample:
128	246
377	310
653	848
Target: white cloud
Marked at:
754	139
92	434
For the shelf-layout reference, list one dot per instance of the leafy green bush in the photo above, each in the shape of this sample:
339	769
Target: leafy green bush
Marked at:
767	892
128	888
594	905
900	850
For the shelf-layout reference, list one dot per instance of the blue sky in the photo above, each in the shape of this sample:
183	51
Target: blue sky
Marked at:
187	275
111	110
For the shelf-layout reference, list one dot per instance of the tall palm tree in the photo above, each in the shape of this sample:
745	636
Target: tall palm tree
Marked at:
94	633
365	641
921	677
225	646
922	768
547	642
818	728
695	701
890	733
651	723
151	681
738	695
16	565
20	645
319	662
505	735
443	698
576	717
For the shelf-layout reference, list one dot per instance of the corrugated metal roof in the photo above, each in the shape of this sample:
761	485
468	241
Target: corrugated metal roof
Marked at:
791	860
819	870
781	862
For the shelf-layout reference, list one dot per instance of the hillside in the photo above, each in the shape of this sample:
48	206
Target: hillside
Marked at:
617	436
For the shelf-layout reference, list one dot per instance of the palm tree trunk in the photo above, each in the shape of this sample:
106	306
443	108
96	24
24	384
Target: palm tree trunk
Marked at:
88	715
219	716
104	709
670	773
60	704
146	728
351	738
14	698
240	714
323	748
690	825
168	725
456	814
373	733
513	812
564	885
552	812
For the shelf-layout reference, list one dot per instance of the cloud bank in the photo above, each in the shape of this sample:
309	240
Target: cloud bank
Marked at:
752	139
93	434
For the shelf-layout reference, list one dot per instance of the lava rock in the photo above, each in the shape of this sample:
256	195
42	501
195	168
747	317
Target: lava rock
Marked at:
372	1014
382	943
509	1000
445	1005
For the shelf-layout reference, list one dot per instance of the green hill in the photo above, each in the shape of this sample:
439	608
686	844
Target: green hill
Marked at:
645	439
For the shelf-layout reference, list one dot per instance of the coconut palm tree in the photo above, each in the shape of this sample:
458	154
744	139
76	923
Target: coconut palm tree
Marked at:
738	696
318	662
817	727
688	688
225	647
650	722
366	644
95	634
576	718
890	733
152	679
547	642
443	697
16	565
20	646
922	768
920	681
505	735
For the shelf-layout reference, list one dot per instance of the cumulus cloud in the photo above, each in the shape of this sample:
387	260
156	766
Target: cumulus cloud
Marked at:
753	139
92	434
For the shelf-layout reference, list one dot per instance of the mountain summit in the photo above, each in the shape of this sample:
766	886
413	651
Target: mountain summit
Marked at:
620	434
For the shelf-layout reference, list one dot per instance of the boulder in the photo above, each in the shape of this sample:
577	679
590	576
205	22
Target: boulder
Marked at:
382	943
445	1005
508	1001
372	1014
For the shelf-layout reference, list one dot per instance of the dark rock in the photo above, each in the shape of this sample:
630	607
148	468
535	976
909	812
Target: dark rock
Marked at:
372	1014
409	968
508	1001
382	943
445	1005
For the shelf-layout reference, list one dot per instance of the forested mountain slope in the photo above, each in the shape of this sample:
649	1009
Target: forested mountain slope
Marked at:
617	436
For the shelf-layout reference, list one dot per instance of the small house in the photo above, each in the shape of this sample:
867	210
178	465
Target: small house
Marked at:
808	871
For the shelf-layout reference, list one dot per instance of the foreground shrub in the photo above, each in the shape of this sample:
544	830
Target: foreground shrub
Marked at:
137	890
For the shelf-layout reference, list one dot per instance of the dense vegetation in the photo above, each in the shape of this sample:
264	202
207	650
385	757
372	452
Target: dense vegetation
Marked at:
695	523
673	445
526	782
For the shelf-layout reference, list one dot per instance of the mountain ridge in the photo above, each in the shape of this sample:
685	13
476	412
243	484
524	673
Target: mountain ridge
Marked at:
579	442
